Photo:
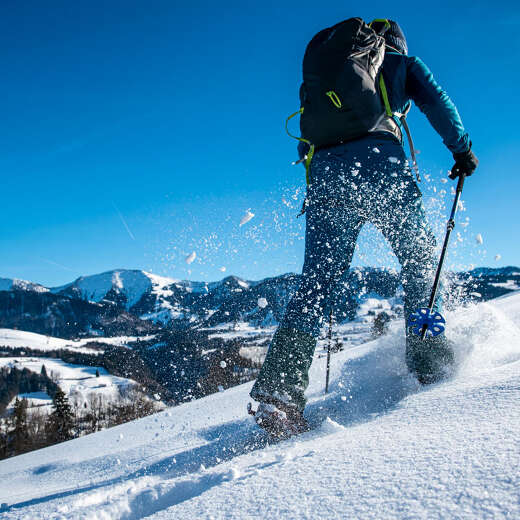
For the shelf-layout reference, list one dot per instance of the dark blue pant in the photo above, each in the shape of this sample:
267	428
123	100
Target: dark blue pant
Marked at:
367	180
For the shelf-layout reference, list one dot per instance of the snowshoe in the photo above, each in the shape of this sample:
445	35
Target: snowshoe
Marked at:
431	360
281	422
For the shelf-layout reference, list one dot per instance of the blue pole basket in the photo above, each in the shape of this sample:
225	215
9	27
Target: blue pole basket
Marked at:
435	323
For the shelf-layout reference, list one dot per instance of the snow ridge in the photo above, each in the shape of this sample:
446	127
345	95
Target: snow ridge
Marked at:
11	284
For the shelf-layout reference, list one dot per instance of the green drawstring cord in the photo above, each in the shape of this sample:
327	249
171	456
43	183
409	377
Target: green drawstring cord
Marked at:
334	98
310	153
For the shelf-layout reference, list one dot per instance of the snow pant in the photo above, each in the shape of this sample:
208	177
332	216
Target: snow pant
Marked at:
367	180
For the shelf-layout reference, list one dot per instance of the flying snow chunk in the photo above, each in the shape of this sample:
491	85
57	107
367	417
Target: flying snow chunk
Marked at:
233	474
498	257
189	259
247	217
393	160
376	150
329	426
223	269
479	239
262	303
223	364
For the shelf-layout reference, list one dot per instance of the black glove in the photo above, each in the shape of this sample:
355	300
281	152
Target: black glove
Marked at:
465	163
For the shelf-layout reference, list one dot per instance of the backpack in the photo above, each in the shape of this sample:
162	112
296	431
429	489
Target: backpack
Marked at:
343	96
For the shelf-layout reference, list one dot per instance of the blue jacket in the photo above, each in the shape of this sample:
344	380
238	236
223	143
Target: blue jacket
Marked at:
407	79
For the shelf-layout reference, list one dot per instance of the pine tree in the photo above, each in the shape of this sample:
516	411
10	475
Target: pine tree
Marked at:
60	424
19	437
380	325
4	439
97	372
43	371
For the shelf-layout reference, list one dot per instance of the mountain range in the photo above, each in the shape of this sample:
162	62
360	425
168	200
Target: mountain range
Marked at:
135	302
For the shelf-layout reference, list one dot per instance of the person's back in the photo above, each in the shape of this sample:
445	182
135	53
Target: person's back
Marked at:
409	79
352	182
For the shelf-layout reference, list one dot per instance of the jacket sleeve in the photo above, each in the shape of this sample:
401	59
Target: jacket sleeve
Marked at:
433	101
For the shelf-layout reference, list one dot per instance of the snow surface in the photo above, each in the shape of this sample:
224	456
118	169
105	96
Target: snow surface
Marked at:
34	400
77	381
381	447
509	284
241	329
19	338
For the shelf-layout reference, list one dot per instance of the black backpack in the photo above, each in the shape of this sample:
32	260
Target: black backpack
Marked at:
340	94
343	95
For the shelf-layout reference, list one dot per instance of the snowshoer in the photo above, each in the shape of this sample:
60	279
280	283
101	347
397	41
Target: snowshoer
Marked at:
352	181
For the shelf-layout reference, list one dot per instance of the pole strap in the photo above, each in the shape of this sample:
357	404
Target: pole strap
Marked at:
415	166
402	119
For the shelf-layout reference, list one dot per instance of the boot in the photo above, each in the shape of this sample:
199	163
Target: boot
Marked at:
279	420
431	359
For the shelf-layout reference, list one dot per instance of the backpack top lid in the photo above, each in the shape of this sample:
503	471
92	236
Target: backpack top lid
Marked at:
394	36
326	53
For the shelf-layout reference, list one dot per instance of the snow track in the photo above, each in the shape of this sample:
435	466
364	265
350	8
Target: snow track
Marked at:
382	446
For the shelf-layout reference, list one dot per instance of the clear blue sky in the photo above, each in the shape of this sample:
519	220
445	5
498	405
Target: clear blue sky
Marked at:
135	132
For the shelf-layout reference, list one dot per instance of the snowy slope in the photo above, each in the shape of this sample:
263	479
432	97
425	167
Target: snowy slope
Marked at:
19	338
78	382
382	446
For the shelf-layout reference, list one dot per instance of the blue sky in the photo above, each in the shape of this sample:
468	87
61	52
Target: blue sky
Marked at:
134	133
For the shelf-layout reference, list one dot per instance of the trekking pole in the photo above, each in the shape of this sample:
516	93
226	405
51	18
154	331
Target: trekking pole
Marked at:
426	319
329	348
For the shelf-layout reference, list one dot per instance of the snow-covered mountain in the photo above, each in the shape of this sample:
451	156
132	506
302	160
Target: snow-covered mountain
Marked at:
12	284
155	298
381	446
127	286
